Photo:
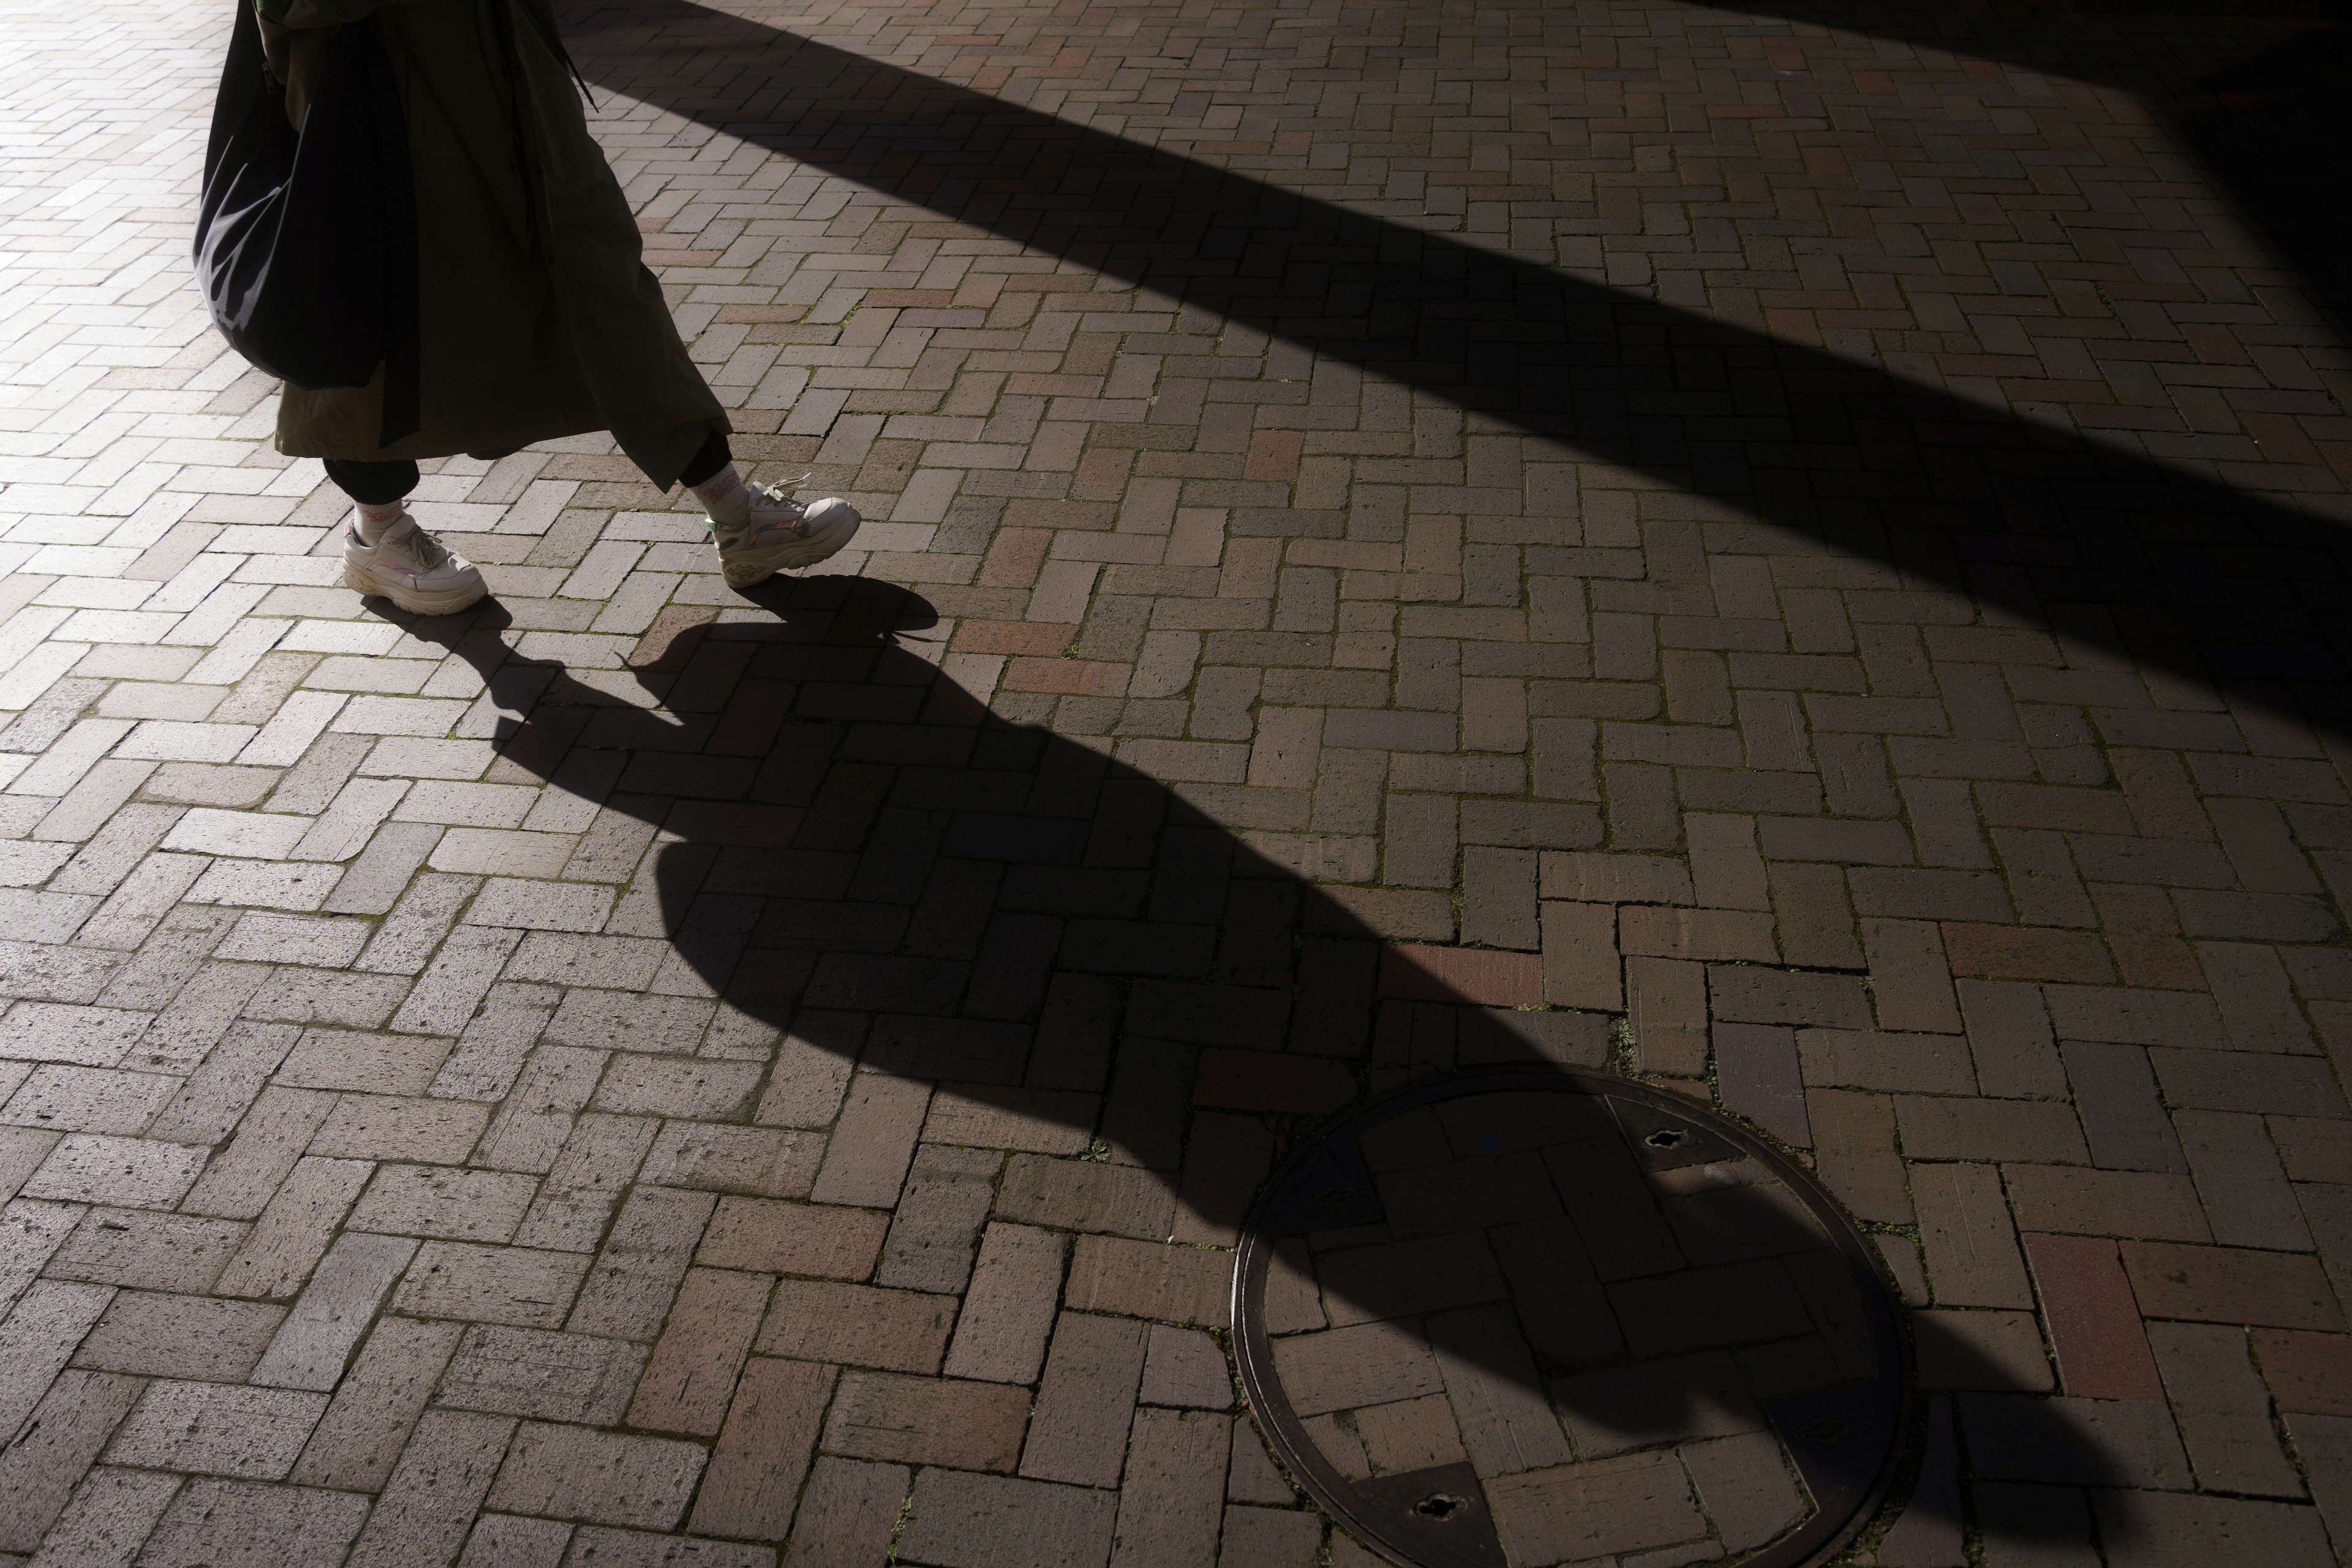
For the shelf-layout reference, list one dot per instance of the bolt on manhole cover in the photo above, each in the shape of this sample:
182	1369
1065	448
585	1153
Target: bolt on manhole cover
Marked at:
1523	1316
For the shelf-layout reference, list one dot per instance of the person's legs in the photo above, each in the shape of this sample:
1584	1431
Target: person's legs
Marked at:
377	489
758	527
385	554
373	484
714	456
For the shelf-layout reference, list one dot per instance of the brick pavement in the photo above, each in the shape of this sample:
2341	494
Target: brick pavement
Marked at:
1758	554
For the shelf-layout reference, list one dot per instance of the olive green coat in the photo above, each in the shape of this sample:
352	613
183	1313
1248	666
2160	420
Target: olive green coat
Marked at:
538	318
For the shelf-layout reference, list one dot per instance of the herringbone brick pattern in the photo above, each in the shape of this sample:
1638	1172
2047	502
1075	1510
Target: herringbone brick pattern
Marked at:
1757	551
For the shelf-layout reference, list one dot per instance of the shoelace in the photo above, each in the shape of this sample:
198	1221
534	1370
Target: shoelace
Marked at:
429	551
774	495
780	494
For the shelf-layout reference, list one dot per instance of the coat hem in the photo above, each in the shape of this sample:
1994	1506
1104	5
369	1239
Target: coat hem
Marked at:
428	445
659	455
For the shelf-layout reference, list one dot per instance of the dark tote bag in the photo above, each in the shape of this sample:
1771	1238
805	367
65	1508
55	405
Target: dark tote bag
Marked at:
306	241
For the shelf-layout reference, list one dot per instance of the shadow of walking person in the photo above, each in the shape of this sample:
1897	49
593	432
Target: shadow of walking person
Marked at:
928	929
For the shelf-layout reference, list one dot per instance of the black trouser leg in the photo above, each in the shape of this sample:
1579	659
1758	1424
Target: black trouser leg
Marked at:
373	484
713	456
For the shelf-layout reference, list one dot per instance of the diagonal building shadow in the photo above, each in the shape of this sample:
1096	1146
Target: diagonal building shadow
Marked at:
2264	113
2108	549
870	886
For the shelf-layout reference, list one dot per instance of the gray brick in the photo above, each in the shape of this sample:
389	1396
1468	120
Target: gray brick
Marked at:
359	1437
423	1517
41	1467
250	1434
334	1311
233	1524
38	1338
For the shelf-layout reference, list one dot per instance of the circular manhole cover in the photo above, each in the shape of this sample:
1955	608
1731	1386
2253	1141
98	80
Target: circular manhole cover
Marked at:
1526	1316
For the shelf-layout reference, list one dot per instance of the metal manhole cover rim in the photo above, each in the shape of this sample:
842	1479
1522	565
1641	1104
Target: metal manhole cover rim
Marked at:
1815	1541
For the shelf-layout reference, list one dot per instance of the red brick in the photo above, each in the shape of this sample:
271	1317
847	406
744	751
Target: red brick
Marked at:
1580	957
928	1421
1145	1279
1491	979
1013	562
858	1325
2144	933
1086	1196
2093	1320
2222	1409
1854	1151
755	1472
1274	455
688	1384
2027	953
1756	1066
1073	676
2306	1372
988	1520
2231	1285
793	1238
1008	1309
1086	1401
2147	1205
570	1472
1910	978
1660	932
850	1514
1666	1002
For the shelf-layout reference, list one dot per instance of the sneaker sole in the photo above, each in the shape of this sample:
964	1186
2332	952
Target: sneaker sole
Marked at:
447	602
750	571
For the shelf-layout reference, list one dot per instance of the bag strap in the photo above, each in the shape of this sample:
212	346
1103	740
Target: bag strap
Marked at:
554	41
245	71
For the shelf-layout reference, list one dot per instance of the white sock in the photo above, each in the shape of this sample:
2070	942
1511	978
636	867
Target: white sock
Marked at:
375	520
723	497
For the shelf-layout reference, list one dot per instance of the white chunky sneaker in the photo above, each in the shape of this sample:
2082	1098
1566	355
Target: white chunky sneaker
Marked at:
410	568
780	533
